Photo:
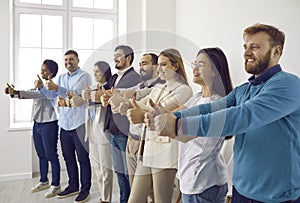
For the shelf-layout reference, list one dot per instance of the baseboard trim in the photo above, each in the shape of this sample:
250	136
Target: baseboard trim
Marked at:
17	176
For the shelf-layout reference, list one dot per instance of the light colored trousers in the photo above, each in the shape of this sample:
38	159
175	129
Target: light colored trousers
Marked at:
162	181
132	148
100	156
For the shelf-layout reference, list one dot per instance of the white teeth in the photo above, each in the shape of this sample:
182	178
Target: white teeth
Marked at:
250	60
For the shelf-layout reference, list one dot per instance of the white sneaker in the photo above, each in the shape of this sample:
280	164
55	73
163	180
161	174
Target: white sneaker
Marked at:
40	186
53	191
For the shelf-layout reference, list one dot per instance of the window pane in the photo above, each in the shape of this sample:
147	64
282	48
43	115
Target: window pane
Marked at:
53	2
83	4
103	4
29	67
22	110
103	32
52	31
31	1
82	33
84	56
30	30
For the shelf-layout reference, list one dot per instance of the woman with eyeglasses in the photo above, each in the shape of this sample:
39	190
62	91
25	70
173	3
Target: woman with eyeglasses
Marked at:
201	168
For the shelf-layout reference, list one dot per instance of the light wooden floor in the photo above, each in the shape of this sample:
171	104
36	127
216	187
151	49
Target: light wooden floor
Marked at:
19	192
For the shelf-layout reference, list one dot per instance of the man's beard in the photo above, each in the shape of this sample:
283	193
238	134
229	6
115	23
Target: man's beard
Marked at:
148	76
118	67
262	65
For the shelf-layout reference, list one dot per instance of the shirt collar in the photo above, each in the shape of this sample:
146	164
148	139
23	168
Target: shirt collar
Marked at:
265	76
121	72
150	81
74	73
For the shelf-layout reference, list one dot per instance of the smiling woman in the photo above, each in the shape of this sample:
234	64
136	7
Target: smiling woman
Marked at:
160	154
45	129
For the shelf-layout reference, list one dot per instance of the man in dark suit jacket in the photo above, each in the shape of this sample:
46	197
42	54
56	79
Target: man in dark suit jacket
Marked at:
117	124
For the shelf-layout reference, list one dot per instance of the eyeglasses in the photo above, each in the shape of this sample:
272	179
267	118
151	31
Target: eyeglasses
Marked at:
197	65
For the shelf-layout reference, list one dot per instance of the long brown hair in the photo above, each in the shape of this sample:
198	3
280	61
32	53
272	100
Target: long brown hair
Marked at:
176	60
222	84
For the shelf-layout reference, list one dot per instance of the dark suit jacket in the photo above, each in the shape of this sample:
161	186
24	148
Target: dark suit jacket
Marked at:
116	123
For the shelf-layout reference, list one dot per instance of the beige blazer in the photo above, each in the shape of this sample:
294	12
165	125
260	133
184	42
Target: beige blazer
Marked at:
160	151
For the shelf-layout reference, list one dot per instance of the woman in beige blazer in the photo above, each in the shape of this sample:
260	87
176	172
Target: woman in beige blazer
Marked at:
159	161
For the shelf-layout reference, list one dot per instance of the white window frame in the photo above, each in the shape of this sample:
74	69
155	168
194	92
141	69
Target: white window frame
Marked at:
114	10
17	3
67	12
91	15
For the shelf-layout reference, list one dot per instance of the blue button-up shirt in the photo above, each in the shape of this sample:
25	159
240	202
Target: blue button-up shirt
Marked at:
70	118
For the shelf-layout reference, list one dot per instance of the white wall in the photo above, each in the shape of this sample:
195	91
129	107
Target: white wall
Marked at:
150	26
221	23
15	146
185	24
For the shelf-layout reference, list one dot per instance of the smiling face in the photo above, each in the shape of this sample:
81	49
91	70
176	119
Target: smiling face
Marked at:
121	62
166	70
258	53
99	76
45	73
146	67
71	63
202	70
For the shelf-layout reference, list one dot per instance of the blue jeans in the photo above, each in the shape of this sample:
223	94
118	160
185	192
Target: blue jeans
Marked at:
215	194
118	150
45	136
73	141
238	198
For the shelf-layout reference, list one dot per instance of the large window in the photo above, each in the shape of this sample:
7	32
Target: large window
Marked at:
45	29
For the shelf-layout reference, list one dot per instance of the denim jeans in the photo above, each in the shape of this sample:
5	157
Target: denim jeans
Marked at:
215	194
238	198
73	141
45	136
118	150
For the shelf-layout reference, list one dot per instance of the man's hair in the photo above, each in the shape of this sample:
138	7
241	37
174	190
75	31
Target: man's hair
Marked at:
154	58
128	51
277	37
71	52
52	66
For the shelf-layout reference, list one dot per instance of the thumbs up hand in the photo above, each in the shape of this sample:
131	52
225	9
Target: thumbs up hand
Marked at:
61	102
115	100
9	89
39	82
123	108
68	98
86	94
105	97
76	101
50	85
136	114
150	116
165	125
